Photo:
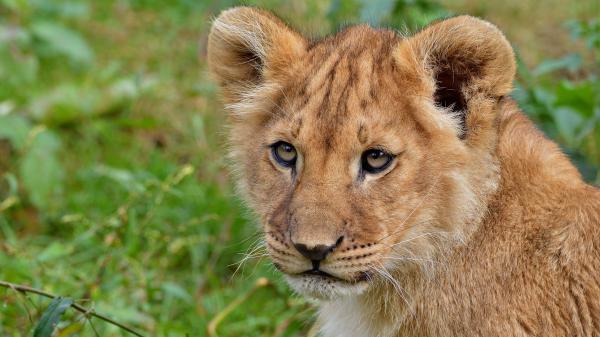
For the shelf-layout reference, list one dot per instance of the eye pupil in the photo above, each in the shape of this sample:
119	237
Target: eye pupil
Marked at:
376	154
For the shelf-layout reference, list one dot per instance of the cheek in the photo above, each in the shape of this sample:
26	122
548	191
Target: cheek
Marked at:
267	185
366	218
398	197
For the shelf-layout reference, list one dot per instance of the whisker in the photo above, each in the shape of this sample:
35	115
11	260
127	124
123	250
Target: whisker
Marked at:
252	236
415	208
403	258
440	234
403	229
397	287
254	252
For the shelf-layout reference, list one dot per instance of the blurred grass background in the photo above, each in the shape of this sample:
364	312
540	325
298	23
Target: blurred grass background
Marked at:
113	188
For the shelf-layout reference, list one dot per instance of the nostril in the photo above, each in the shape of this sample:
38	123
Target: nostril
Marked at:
339	241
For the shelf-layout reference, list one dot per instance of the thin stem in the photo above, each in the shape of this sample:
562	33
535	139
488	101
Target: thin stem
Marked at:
85	311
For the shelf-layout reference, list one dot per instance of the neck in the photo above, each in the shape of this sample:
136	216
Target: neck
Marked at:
528	158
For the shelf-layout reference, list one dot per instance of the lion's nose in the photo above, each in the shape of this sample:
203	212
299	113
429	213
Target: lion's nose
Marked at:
317	253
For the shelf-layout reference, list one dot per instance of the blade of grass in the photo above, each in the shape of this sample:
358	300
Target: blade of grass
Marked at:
51	317
214	323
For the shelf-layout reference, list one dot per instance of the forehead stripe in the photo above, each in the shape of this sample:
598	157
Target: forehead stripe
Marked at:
362	134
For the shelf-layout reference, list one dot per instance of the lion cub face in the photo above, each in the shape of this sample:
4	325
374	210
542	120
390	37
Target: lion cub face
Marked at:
360	152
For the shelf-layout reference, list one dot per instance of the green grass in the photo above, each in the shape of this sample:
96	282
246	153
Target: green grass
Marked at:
113	185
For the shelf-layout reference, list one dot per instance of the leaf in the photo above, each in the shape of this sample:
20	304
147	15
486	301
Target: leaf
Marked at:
41	170
568	123
61	9
580	96
62	40
343	11
16	5
16	72
51	316
15	128
13	184
66	103
375	11
74	102
175	290
54	251
571	62
125	178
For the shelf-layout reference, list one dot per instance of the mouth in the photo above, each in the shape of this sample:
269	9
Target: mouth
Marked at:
362	277
317	272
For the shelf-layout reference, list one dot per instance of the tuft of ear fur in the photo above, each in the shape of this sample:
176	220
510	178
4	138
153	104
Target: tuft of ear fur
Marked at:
248	45
463	61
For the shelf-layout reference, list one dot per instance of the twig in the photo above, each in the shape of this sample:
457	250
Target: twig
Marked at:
91	312
214	323
24	304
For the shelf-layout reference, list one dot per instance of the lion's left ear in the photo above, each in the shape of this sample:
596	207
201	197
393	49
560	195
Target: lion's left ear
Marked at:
463	60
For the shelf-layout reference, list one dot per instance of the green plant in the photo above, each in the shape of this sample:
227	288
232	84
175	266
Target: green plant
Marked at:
568	109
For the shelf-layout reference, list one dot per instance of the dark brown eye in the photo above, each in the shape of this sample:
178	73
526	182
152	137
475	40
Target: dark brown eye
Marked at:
284	154
375	160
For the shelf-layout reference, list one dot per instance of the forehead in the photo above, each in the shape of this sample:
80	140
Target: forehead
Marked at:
345	88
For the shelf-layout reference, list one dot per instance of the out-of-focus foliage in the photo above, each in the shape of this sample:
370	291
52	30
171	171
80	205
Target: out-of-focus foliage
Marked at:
563	95
404	15
112	178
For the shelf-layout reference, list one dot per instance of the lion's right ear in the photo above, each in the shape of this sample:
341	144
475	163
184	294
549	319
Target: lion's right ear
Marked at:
246	46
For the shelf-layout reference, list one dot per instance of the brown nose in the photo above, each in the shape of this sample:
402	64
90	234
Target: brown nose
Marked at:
317	253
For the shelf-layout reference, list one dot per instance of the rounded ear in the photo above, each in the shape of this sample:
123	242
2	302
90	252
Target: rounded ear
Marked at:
462	60
247	45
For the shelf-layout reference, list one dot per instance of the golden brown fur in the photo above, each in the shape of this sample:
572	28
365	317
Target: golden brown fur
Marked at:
480	227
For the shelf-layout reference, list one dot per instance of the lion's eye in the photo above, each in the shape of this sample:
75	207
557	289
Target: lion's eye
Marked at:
284	154
375	161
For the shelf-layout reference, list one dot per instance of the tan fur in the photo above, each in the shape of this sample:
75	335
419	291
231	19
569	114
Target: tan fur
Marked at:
481	227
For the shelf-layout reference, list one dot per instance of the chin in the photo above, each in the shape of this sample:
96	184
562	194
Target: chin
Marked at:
325	288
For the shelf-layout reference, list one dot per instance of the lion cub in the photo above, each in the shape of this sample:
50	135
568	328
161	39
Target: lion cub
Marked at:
399	184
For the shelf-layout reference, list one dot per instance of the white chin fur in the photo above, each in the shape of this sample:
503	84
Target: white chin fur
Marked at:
324	288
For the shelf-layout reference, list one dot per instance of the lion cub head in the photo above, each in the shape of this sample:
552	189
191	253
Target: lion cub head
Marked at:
364	154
